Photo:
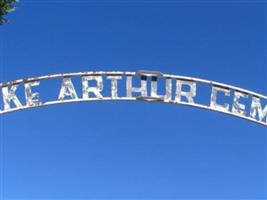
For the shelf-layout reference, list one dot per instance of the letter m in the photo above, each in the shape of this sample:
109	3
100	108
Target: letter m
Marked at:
256	108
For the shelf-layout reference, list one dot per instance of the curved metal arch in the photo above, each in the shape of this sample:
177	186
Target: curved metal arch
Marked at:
140	73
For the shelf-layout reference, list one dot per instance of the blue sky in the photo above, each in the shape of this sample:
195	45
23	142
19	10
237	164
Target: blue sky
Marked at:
134	150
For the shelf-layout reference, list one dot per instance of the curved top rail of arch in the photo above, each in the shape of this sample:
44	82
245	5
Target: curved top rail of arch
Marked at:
130	86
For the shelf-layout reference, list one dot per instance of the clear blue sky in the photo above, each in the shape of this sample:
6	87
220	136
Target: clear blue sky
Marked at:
134	150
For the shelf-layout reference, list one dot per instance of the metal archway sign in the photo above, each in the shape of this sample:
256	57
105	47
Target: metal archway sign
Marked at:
131	86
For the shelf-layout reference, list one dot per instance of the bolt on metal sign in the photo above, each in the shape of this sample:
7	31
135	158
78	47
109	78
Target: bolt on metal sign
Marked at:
141	85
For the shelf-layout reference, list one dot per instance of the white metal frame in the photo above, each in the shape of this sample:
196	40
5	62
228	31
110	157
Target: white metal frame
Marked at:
119	73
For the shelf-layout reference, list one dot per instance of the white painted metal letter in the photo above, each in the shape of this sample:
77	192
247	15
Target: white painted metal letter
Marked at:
213	99
237	107
130	89
257	108
189	95
32	99
114	85
9	95
95	90
67	89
